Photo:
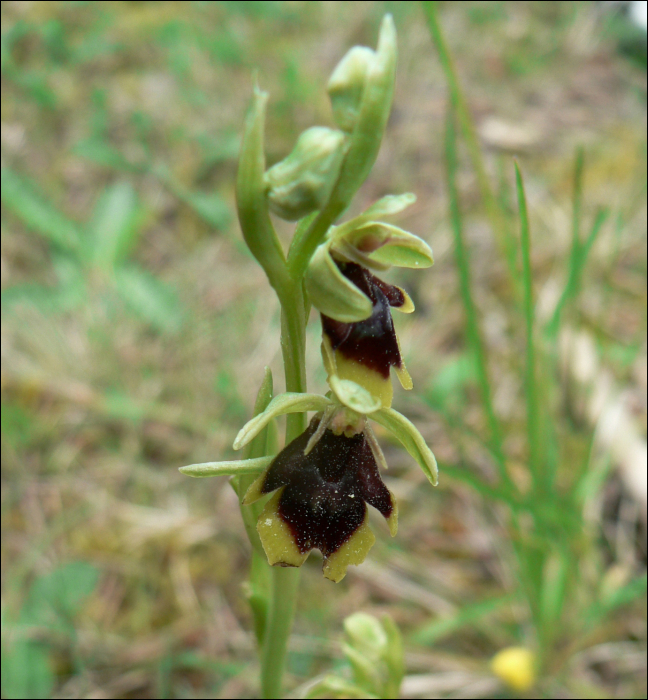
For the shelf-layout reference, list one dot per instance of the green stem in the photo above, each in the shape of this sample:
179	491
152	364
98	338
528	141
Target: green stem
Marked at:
285	581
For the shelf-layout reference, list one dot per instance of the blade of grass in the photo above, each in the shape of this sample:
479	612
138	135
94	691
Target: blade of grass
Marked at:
497	492
579	250
432	632
494	212
19	196
472	327
532	397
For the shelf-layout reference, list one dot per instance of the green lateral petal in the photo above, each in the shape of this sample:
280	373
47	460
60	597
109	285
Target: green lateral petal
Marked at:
332	293
391	245
387	206
411	439
284	403
234	468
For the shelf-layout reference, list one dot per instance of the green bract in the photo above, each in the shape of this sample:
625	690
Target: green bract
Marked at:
371	244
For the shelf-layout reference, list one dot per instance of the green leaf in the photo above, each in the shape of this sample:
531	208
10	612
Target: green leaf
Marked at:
36	213
115	225
411	439
233	468
26	670
386	206
102	153
56	597
450	381
149	298
623	595
470	614
212	208
69	294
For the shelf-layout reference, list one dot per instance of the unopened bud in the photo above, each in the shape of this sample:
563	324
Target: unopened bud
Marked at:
302	182
346	85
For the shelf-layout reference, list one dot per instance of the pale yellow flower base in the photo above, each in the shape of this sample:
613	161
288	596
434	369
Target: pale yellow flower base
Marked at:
353	551
281	550
276	538
336	364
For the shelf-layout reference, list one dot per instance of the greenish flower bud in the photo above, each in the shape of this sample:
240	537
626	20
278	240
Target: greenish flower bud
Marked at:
375	652
346	85
303	181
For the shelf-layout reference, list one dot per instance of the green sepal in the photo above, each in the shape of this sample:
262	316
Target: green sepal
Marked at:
390	245
386	206
405	431
234	468
280	405
332	293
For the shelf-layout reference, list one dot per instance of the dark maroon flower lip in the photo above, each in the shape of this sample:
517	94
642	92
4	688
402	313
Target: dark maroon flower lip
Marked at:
371	342
323	502
322	482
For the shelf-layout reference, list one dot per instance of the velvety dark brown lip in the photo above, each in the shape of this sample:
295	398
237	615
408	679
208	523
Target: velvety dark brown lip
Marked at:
323	502
371	342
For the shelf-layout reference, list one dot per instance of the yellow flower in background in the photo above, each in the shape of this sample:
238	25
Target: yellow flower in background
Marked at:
516	666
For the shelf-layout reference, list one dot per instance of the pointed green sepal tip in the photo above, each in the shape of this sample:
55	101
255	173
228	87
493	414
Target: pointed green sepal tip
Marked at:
280	405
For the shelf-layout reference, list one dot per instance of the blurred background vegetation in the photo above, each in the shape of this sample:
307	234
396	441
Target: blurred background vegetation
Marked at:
135	330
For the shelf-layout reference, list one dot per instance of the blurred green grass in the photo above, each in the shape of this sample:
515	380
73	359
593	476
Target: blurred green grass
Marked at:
102	401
